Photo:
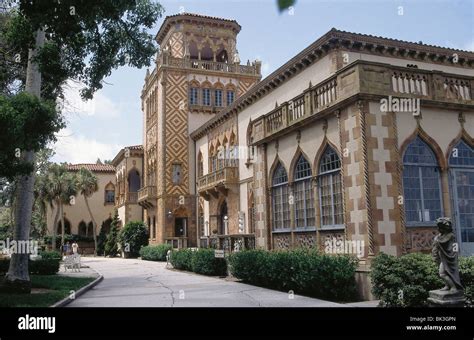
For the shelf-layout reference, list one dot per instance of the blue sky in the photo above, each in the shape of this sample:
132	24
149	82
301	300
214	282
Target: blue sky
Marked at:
98	129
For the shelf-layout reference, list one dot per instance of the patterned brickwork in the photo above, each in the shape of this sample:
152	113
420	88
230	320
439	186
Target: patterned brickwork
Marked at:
354	184
384	180
176	43
176	132
260	192
420	239
244	86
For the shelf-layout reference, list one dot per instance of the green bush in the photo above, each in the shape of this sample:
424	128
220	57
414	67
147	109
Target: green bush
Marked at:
110	247
204	262
404	281
466	271
132	237
155	253
46	255
48	266
181	259
101	239
302	270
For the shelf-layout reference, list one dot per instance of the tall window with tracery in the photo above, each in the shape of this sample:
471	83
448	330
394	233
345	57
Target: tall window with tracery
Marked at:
303	195
280	204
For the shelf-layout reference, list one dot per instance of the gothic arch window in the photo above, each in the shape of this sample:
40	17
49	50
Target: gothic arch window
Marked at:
221	54
280	204
193	50
206	52
462	155
421	184
109	193
90	229
303	194
82	228
330	190
67	229
133	181
218	95
206	97
194	88
230	94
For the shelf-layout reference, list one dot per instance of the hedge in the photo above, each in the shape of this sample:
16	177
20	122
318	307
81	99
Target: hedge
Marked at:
200	261
40	267
155	253
304	271
405	281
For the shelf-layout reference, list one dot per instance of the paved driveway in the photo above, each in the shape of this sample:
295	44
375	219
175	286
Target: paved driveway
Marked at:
136	283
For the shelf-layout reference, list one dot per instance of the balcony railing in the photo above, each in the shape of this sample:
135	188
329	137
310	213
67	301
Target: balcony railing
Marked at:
218	180
147	196
230	243
366	78
167	60
128	198
177	242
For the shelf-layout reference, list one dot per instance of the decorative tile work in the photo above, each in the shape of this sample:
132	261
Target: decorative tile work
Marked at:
305	240
176	131
420	239
261	196
176	44
244	86
281	241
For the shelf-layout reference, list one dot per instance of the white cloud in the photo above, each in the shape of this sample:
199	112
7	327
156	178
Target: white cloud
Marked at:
73	148
100	106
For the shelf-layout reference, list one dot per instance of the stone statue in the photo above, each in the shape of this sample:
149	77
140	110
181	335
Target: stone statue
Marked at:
445	253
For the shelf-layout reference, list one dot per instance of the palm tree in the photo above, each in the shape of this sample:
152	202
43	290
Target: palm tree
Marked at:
64	189
88	185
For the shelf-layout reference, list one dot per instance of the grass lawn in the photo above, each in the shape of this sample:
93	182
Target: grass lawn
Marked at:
55	288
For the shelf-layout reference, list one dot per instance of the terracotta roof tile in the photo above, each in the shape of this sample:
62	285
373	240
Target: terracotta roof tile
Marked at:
91	167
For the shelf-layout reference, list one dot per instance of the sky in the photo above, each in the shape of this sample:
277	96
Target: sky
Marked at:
113	119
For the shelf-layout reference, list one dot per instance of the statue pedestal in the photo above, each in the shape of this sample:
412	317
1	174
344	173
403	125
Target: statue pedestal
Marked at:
446	298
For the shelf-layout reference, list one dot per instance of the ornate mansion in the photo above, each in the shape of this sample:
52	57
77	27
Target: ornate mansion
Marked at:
356	138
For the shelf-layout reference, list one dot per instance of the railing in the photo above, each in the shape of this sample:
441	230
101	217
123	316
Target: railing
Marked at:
177	242
147	192
230	243
226	175
364	77
166	60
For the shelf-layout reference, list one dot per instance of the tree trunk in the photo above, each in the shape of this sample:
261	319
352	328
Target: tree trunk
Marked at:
94	225
55	227
63	227
18	278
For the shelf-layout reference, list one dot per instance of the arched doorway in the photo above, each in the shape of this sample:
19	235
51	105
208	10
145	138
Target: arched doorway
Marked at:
67	229
180	223
223	218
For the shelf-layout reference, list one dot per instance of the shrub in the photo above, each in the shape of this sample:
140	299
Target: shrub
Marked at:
155	253
181	259
204	262
466	271
303	271
101	239
132	237
46	255
49	266
110	248
404	281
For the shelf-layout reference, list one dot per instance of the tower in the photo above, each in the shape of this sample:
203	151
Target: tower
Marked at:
197	73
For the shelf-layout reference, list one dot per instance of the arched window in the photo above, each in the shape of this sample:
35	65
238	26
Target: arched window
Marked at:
82	228
200	165
462	155
90	229
133	181
280	204
421	184
109	194
330	189
67	229
303	193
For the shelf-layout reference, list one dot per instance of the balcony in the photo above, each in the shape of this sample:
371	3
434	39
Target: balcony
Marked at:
252	69
229	243
219	181
128	198
364	79
147	196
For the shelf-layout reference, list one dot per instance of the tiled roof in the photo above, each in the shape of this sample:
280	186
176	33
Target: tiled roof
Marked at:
134	147
92	167
119	156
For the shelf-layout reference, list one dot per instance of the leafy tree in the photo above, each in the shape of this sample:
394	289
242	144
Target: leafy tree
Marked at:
101	239
78	39
132	237
111	247
87	186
